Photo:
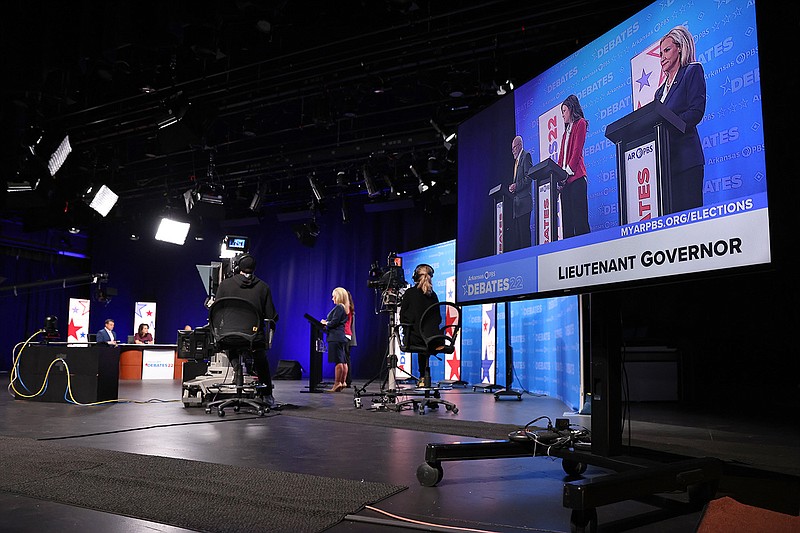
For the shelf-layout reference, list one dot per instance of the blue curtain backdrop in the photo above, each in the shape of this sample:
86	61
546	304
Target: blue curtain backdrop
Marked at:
23	311
301	277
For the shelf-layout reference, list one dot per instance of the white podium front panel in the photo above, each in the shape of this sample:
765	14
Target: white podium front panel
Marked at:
641	188
158	364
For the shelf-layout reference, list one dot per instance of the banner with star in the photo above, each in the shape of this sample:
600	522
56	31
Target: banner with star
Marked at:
145	313
78	326
488	343
452	361
646	75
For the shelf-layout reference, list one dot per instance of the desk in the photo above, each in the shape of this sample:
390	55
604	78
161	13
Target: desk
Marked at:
149	361
93	372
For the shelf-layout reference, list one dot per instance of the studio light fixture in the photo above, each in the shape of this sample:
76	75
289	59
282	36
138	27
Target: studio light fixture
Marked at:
447	138
315	188
258	198
103	200
172	231
423	186
22	183
369	183
504	88
59	156
433	165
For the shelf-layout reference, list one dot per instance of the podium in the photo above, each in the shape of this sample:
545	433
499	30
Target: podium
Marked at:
643	173
547	174
501	204
315	354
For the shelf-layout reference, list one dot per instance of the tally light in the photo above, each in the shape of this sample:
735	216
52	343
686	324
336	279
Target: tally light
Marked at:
172	231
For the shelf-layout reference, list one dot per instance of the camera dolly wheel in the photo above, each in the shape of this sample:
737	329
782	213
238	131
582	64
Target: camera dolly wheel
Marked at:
429	474
573	468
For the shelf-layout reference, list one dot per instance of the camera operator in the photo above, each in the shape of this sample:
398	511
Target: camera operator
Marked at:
414	303
244	284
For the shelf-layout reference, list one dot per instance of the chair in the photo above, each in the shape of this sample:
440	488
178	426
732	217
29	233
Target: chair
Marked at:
441	342
236	324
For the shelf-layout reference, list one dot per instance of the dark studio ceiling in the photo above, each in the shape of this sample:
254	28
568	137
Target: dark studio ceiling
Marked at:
265	93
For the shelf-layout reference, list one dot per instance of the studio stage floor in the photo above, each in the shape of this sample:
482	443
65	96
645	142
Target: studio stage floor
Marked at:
762	457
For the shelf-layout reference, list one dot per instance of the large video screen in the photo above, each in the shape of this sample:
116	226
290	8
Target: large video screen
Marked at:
638	157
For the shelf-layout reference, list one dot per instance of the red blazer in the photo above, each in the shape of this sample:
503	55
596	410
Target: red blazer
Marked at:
574	157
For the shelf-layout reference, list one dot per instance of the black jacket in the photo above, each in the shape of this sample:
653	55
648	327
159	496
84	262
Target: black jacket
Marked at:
413	305
253	290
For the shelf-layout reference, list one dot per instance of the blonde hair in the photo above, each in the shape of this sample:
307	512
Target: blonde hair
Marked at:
340	297
685	43
424	276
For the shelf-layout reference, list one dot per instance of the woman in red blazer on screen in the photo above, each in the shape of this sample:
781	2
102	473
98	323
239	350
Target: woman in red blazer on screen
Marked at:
574	202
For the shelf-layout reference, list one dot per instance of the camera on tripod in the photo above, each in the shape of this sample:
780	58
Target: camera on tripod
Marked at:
390	277
390	280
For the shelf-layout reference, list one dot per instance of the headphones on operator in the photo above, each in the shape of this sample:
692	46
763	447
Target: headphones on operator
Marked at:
237	262
418	274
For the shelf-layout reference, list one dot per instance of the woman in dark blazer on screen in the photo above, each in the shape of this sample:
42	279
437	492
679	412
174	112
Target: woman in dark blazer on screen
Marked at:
684	93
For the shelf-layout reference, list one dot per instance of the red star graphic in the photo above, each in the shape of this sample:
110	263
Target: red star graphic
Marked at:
73	329
455	368
485	326
149	313
449	320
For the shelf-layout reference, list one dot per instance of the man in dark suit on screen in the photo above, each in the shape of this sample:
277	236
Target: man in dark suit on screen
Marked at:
518	230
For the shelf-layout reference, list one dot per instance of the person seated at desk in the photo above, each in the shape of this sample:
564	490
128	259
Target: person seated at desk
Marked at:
143	336
107	335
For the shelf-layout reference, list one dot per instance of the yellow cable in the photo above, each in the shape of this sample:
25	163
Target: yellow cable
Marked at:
14	376
419	522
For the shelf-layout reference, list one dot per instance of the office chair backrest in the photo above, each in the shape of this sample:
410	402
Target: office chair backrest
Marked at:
438	334
235	322
443	340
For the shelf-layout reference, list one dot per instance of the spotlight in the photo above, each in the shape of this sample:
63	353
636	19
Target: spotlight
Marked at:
503	88
422	185
447	138
172	231
372	191
23	181
315	188
207	199
258	198
433	165
104	200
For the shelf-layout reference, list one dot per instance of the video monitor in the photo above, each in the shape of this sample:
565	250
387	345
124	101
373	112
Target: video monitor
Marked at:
634	159
196	344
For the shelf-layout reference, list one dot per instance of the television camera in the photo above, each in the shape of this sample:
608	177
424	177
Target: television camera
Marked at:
389	281
197	345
